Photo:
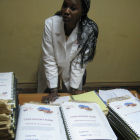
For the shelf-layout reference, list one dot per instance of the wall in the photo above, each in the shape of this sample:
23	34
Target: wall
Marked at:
117	55
118	48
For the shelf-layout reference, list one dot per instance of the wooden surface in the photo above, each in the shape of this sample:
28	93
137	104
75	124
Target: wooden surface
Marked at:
134	92
34	97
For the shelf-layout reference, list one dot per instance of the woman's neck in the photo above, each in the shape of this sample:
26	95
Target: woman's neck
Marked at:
68	29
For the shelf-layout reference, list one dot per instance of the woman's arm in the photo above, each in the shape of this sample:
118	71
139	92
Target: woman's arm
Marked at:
76	75
49	63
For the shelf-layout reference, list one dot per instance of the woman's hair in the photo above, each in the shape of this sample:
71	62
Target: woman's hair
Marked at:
85	7
87	34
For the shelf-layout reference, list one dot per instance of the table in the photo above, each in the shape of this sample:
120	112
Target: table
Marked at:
34	97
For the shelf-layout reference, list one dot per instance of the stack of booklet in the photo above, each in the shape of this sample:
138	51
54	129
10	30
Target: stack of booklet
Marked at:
69	121
124	112
7	105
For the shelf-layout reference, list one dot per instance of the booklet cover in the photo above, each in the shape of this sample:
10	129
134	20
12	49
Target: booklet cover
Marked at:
40	122
85	121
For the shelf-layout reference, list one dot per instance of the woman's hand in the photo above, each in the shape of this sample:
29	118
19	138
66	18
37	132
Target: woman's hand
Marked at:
53	95
75	91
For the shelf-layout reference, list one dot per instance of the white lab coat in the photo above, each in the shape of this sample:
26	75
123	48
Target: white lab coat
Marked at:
59	57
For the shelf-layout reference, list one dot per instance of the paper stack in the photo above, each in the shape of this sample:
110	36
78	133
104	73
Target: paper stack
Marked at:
124	112
7	105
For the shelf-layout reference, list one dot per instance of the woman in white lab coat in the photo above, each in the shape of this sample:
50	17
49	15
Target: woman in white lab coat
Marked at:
69	42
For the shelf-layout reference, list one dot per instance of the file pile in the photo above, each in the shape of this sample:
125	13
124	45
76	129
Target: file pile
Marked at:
124	112
7	106
124	116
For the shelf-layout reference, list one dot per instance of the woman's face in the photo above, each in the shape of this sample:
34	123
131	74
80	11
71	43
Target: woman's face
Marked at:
71	12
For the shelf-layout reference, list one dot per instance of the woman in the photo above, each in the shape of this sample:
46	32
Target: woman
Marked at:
69	42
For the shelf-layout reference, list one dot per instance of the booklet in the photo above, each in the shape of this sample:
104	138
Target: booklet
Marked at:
69	121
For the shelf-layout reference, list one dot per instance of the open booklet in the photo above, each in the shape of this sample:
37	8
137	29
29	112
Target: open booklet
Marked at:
70	120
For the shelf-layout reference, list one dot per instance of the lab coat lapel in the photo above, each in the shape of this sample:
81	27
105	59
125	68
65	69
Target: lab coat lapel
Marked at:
59	32
72	42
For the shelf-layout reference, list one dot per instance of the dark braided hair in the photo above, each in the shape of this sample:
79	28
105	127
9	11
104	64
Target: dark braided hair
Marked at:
87	34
